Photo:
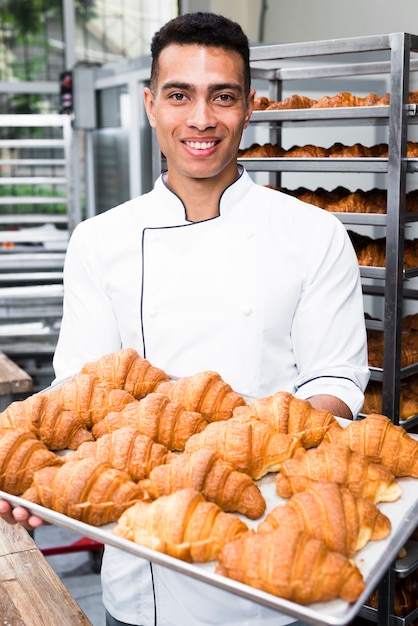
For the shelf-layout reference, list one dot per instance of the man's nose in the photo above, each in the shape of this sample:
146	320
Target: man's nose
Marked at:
201	115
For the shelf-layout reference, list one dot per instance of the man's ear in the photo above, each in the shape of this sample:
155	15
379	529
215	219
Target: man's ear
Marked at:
149	106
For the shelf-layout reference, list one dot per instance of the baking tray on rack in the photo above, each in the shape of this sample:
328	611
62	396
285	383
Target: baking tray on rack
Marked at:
373	560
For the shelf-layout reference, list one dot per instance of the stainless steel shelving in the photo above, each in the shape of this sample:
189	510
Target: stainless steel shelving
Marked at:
394	56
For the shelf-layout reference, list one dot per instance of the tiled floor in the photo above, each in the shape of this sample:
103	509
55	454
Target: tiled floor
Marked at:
75	570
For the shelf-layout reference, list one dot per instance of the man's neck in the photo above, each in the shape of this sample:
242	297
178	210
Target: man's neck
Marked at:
200	196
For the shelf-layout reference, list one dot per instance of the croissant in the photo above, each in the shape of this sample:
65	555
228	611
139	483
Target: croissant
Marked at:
330	512
377	436
128	371
90	398
292	102
205	392
203	471
290	415
182	524
294	566
343	99
21	454
89	490
126	449
249	445
42	415
164	421
337	463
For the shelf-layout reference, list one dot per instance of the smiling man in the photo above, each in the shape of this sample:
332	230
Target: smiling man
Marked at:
210	271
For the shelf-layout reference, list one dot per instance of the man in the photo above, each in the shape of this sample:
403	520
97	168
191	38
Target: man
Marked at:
211	271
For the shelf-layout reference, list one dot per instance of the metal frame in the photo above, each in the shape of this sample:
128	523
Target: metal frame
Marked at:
397	116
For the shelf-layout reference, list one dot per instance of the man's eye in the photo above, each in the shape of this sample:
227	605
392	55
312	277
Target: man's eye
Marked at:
225	97
177	96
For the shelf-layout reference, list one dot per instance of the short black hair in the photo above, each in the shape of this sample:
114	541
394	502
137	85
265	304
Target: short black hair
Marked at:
202	29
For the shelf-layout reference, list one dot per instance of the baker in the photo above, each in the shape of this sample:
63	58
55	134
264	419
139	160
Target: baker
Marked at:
210	271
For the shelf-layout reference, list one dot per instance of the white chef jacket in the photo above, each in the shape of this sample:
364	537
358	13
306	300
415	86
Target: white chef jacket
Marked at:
267	294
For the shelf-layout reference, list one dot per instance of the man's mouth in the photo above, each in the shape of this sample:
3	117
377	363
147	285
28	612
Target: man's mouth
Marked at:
200	145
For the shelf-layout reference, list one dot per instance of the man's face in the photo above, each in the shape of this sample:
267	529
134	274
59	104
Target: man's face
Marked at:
199	109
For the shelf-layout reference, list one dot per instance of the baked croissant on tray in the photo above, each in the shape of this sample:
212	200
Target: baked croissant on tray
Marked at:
290	415
89	490
330	512
127	370
182	524
291	565
165	421
44	416
249	445
21	455
126	449
205	392
216	479
90	398
376	435
337	463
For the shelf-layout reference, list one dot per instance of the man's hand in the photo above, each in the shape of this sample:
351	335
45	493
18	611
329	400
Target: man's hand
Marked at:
19	515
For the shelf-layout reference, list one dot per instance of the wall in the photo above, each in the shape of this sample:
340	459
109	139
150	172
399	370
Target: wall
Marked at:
311	20
288	21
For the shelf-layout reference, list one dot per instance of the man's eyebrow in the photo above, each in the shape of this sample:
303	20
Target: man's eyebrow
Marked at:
212	88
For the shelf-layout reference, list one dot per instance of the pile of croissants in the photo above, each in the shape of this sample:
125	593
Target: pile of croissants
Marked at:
174	464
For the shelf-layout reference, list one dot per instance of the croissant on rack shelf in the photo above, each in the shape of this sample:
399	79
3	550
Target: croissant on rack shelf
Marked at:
182	524
89	490
216	479
205	392
90	398
292	102
126	449
290	415
294	566
377	436
330	512
166	422
21	455
128	371
249	445
43	416
373	397
337	463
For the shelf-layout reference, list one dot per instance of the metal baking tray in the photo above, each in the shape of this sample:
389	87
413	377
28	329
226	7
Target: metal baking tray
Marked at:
373	560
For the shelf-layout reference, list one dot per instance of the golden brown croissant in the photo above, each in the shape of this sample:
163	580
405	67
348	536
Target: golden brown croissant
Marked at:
337	463
91	398
218	482
21	454
205	392
126	449
343	99
43	416
290	415
293	566
249	445
128	371
377	436
330	512
294	101
182	524
89	490
166	422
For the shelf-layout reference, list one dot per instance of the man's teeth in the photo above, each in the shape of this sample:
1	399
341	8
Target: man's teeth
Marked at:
200	145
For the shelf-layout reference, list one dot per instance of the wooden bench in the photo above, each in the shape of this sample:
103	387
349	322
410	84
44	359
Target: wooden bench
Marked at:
31	593
15	383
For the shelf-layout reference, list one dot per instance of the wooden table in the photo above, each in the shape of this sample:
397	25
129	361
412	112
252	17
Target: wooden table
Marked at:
31	594
15	383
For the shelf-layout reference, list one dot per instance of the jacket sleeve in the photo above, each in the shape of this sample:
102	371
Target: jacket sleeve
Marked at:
89	327
328	331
